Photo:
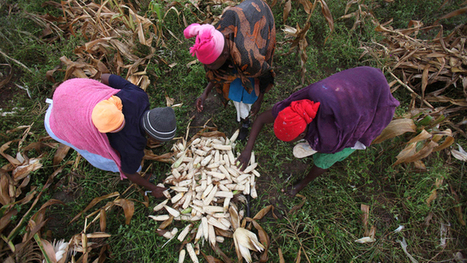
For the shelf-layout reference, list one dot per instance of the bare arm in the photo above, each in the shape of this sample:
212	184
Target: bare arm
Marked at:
257	105
139	180
264	118
200	100
105	78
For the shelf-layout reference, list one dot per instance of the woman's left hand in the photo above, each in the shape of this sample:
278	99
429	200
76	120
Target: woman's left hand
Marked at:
255	108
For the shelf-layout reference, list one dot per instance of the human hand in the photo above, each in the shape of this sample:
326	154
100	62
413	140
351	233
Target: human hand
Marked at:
243	159
255	108
157	191
200	103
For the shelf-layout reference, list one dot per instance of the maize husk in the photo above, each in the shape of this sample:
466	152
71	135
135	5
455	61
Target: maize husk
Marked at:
191	253
184	233
181	256
160	217
161	205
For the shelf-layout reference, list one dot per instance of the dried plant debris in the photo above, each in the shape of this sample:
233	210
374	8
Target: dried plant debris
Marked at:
114	32
421	62
297	36
424	62
429	69
15	178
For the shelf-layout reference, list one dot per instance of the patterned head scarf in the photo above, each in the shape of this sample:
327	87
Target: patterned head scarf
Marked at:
209	42
293	120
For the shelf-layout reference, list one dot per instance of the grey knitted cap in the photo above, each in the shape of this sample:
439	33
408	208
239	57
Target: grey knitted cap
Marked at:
160	123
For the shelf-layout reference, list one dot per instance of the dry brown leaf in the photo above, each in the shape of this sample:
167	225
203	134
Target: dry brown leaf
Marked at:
411	155
366	214
453	14
349	4
234	218
419	165
98	235
102	220
60	154
4	188
353	14
39	216
165	158
297	207
287	8
94	202
211	259
409	150
372	232
327	15
161	232
395	128
128	208
124	50
460	154
48	249
425	79
264	211
166	223
281	257
447	142
10	159
169	101
263	238
299	256
224	233
49	74
218	251
25	169
434	193
423	135
144	82
458	207
6	218
432	197
307	5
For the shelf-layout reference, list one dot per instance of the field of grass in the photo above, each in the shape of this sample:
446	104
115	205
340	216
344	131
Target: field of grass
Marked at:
427	207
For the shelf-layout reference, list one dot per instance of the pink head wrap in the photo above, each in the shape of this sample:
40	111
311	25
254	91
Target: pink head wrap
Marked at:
209	42
293	120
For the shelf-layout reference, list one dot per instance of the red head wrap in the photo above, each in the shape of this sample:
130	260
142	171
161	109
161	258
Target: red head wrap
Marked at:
293	120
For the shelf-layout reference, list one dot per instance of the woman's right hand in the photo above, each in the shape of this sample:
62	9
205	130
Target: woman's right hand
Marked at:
158	192
243	159
200	102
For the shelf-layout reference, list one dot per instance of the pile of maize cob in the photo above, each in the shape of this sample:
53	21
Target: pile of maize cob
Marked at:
201	185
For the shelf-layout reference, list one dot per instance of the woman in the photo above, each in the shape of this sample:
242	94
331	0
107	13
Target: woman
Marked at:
108	124
237	56
336	116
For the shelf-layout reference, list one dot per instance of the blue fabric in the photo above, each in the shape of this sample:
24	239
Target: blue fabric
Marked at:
238	93
131	140
94	159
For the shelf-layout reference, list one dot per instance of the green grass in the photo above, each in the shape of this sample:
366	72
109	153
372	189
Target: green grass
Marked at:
330	220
